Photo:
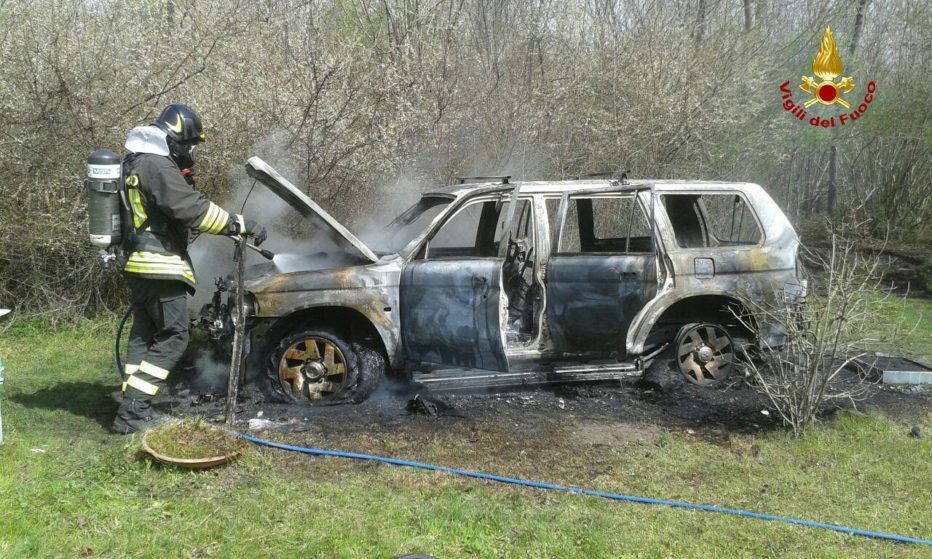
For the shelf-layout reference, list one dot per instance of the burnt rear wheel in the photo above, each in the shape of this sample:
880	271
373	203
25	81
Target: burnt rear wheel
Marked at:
705	353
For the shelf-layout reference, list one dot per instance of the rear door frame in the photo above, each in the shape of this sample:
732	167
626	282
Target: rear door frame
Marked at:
655	274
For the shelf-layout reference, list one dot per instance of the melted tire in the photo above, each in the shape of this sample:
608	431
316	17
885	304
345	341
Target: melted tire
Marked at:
661	374
371	368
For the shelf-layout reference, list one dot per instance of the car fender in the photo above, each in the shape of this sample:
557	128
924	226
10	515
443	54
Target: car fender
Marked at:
645	320
383	317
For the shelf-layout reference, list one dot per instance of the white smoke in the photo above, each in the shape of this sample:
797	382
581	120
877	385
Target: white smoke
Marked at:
212	255
390	198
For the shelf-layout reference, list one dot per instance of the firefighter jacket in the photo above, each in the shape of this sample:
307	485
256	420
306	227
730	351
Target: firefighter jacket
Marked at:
163	209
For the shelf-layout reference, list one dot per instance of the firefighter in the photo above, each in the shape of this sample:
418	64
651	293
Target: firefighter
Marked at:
164	207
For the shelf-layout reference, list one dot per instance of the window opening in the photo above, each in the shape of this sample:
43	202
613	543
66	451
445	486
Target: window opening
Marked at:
464	234
711	220
605	225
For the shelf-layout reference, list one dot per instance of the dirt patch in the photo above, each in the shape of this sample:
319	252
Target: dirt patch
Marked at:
616	434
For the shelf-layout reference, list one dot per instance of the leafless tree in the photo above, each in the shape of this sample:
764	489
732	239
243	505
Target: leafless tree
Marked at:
825	336
351	96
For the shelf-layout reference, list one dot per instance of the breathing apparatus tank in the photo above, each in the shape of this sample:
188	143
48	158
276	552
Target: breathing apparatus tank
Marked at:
104	188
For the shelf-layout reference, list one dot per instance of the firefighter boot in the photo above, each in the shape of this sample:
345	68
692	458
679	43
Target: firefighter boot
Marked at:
136	416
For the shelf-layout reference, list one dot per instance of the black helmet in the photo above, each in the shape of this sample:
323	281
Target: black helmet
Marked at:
181	124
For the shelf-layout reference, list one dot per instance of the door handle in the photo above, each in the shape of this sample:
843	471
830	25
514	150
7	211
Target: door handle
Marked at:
623	275
479	281
704	268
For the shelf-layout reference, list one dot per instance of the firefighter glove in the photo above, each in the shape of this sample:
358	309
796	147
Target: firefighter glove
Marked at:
256	231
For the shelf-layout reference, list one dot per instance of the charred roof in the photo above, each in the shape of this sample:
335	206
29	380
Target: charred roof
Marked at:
563	186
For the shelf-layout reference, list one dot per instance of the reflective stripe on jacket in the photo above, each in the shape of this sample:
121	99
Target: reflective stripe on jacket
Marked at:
164	208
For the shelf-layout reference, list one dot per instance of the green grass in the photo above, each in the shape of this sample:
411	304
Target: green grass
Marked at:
910	321
86	494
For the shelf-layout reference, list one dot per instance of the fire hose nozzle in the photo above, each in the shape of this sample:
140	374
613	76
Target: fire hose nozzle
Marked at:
267	254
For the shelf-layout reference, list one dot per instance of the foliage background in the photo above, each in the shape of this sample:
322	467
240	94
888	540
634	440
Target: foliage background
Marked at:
364	99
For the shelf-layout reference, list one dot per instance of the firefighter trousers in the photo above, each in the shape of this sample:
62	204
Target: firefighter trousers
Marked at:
158	337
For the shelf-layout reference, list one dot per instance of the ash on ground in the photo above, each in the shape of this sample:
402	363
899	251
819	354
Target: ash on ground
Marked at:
605	413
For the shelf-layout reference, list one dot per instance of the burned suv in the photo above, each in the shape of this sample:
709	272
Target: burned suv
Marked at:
490	282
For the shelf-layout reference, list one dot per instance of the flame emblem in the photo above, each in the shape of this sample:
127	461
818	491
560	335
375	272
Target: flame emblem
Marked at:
827	65
176	128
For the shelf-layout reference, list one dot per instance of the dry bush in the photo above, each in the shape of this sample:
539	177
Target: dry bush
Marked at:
824	336
371	99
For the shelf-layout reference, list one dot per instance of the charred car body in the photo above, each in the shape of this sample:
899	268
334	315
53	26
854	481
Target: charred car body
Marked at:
493	283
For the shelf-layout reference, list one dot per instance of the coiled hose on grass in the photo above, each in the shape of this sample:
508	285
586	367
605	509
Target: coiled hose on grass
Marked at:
590	492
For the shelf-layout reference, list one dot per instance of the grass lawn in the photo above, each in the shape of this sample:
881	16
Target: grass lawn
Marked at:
68	488
911	320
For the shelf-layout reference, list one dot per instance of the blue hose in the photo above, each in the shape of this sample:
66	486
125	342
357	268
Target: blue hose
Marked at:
116	346
590	492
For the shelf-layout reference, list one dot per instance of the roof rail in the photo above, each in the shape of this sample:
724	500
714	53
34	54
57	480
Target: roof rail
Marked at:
495	178
620	175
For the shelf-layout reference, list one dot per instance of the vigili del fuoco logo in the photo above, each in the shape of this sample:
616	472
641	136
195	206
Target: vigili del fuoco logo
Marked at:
827	66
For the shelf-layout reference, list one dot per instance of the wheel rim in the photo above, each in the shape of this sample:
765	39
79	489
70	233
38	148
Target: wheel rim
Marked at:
312	369
705	354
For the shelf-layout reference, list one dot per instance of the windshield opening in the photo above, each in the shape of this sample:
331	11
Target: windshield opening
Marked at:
404	228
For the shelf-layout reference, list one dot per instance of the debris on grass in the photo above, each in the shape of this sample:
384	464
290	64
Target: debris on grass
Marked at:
428	406
259	424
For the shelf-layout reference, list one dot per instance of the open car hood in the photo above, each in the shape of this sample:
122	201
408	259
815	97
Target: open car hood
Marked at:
322	221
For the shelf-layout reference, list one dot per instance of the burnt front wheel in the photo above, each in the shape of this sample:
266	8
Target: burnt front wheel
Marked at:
317	365
705	353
